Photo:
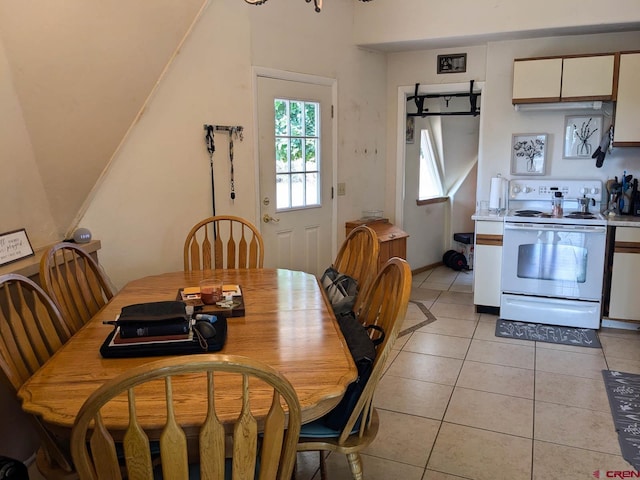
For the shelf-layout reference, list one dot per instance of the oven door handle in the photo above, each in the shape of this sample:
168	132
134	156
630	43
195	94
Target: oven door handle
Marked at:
555	227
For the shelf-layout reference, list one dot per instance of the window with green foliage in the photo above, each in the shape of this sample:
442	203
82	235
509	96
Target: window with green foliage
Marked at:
297	135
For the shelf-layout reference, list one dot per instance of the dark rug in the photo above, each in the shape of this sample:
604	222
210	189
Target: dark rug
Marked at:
581	337
623	390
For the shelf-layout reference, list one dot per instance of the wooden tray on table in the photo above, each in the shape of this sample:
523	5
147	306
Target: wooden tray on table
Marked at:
236	311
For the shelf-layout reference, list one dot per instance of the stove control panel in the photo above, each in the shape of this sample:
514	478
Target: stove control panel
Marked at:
526	189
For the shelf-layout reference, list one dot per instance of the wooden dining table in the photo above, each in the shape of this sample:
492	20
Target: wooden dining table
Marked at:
288	323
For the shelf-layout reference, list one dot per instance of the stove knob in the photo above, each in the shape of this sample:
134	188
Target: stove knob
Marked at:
595	190
584	190
515	189
527	189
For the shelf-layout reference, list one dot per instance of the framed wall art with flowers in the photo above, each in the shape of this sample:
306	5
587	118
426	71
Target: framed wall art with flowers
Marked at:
528	153
582	134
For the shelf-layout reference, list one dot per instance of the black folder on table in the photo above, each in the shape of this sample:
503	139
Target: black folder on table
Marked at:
159	315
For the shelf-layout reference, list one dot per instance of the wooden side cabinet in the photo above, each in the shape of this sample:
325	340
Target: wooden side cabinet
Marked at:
487	264
393	240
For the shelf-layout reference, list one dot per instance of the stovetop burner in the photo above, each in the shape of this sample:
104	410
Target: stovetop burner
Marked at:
528	213
581	215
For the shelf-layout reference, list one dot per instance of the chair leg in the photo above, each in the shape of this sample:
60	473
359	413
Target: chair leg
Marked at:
295	467
355	464
323	466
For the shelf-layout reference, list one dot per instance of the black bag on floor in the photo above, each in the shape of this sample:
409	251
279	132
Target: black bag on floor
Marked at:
363	351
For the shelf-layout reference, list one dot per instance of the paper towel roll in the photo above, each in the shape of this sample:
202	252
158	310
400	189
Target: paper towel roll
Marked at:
496	193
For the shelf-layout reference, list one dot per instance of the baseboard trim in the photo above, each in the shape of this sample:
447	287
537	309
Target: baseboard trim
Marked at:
488	309
425	268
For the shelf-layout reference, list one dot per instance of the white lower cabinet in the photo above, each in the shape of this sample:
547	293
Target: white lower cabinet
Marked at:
624	302
487	263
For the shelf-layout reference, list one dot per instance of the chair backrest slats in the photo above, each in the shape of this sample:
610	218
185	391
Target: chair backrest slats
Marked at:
75	282
212	445
358	258
236	244
385	305
173	442
281	423
31	328
106	457
31	331
245	438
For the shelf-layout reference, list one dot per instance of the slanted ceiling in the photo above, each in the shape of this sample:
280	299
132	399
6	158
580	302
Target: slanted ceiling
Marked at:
82	70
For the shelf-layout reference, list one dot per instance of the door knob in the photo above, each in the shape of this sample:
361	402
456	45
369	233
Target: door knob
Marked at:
266	218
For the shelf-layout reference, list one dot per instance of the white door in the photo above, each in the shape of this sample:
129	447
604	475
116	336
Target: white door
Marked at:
295	150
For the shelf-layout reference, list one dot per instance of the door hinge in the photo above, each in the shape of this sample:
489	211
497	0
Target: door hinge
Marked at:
331	193
331	111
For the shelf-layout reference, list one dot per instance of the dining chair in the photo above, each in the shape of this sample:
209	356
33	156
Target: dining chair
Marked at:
223	241
268	446
385	305
31	331
75	282
358	258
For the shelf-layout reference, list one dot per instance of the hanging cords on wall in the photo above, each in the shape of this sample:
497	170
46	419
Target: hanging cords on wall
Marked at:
421	111
235	132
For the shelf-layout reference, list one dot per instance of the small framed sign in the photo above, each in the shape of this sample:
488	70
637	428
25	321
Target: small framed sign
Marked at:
456	63
14	246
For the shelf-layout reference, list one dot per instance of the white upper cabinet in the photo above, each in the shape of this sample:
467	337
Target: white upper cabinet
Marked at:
564	79
537	80
626	131
588	78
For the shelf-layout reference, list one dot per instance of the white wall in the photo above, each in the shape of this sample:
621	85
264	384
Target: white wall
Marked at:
23	201
81	71
430	226
464	22
158	185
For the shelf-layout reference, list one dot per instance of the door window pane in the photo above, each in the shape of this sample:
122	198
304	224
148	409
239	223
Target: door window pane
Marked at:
297	140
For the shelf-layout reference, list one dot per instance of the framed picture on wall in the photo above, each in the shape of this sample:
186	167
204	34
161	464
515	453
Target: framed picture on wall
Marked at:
582	134
456	63
411	126
528	153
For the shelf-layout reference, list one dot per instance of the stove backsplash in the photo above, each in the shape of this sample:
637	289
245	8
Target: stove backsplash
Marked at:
539	193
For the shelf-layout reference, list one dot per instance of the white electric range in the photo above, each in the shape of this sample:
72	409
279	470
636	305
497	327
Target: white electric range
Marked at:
552	265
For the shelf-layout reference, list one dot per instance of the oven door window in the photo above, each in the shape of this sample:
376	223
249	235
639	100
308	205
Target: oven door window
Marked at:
550	261
555	256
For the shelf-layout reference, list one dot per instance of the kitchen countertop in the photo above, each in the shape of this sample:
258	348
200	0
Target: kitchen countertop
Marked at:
486	215
622	221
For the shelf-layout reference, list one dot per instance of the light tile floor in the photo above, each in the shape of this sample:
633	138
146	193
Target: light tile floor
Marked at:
457	402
